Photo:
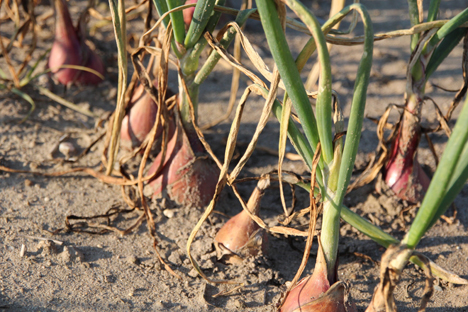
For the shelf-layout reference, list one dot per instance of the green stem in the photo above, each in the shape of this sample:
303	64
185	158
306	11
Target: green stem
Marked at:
414	18
324	97
214	57
177	19
185	106
433	10
288	70
161	7
200	19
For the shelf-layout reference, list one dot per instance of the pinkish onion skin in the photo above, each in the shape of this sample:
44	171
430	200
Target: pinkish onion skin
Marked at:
189	180
314	293
237	233
188	13
140	118
403	173
333	300
69	48
309	288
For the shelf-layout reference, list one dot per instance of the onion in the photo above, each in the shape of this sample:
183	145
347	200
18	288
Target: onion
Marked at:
70	48
187	175
140	118
241	236
403	173
314	293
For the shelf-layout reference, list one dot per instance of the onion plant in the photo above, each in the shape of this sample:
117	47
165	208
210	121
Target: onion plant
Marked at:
335	160
401	169
182	168
71	59
449	179
334	155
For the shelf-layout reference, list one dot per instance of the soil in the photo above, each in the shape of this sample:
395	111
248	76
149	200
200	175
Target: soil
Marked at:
109	272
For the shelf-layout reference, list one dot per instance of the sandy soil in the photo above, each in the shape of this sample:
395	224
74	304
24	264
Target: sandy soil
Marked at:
84	272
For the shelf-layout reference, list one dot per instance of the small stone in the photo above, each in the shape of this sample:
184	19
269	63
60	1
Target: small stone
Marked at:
175	258
158	306
193	273
67	149
169	213
132	259
46	199
438	288
28	183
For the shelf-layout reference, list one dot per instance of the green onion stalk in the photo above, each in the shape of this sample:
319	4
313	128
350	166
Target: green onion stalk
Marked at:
337	156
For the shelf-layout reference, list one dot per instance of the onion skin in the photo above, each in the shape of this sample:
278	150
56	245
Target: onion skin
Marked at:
69	48
403	173
140	118
241	236
314	293
188	179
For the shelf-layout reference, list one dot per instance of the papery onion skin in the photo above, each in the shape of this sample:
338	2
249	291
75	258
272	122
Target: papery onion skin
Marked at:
70	48
188	179
402	172
240	235
140	118
314	293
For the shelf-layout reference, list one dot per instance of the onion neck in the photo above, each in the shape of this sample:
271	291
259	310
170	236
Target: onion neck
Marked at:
64	29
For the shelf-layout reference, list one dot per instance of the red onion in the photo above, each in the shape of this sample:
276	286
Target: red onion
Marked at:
241	236
70	48
314	293
140	117
187	175
403	173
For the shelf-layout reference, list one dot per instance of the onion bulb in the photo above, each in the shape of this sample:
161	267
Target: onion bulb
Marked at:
314	293
140	118
186	173
403	173
241	236
70	48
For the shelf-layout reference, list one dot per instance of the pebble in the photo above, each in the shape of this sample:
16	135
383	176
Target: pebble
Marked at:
158	306
193	273
67	149
169	213
175	258
28	183
132	259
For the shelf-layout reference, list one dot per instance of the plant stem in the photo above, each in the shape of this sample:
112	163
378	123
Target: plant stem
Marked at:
414	18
